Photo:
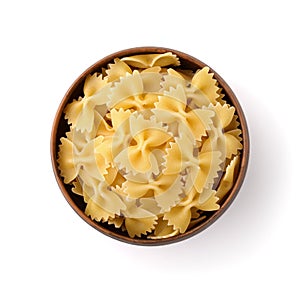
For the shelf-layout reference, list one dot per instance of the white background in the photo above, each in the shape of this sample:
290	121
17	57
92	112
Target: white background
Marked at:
45	45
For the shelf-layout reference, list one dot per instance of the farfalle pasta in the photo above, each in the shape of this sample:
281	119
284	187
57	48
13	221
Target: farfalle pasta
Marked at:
151	148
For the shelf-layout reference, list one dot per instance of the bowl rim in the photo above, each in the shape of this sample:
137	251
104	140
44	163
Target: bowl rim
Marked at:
244	153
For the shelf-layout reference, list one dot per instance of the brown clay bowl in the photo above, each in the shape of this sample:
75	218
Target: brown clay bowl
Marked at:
60	127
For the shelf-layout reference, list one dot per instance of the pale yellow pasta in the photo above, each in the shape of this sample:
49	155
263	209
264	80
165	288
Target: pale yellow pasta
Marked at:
117	221
172	108
168	191
133	211
111	174
225	113
137	91
202	177
128	86
79	139
92	159
151	147
96	212
151	60
137	227
150	205
147	136
180	156
151	80
228	179
89	184
68	168
93	84
204	81
154	69
171	80
132	160
159	189
227	122
117	70
179	218
163	230
73	110
81	113
233	144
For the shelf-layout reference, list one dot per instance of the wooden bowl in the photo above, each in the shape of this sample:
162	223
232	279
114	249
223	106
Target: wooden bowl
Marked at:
60	127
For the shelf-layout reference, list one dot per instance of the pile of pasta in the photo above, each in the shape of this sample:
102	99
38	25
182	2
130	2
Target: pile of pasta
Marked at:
151	148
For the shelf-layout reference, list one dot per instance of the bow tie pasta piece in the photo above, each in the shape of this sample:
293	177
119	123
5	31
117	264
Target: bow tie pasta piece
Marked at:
149	188
139	226
116	70
150	205
105	129
180	156
136	162
204	175
225	113
179	218
119	117
96	212
93	84
233	142
210	203
117	221
68	168
104	204
174	100
165	189
173	78
151	80
204	81
129	86
111	175
172	108
152	147
166	59
138	91
151	60
163	230
227	122
73	110
80	113
72	150
154	69
228	179
147	137
169	192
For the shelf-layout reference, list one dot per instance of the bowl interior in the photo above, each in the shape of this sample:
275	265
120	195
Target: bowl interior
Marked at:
60	127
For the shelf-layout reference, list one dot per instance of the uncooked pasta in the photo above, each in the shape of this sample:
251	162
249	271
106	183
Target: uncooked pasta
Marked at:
151	147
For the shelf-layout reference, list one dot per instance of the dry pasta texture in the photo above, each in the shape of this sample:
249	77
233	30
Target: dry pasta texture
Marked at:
151	148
